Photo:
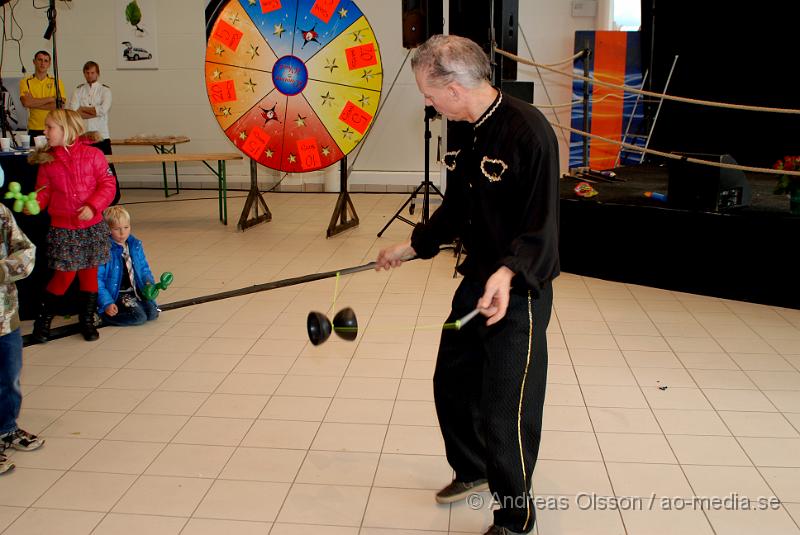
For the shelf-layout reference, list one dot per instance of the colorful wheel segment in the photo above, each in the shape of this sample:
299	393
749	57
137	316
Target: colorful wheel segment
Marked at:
295	84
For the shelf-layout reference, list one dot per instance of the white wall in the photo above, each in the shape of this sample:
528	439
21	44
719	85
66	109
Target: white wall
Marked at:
550	30
172	99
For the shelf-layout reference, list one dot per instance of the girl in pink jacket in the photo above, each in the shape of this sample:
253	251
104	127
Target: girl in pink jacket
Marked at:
75	185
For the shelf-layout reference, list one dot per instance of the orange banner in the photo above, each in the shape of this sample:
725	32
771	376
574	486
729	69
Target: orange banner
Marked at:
609	66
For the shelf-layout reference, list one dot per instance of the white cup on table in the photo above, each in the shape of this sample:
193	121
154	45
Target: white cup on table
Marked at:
40	142
24	141
5	144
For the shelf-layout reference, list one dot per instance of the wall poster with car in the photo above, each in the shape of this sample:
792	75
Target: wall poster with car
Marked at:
136	35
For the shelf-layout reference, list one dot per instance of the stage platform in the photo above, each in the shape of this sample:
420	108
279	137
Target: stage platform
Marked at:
747	253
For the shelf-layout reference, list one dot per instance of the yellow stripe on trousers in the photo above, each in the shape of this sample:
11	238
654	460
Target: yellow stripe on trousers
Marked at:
519	410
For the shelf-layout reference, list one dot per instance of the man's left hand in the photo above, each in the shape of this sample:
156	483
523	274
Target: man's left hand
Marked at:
496	294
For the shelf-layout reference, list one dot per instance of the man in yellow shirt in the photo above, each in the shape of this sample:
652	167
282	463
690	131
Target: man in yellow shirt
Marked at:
38	93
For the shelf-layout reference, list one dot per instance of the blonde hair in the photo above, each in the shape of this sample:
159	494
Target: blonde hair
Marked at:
70	121
116	214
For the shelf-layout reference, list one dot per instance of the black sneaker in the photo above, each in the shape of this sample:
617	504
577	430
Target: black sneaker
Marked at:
21	440
5	464
458	490
497	530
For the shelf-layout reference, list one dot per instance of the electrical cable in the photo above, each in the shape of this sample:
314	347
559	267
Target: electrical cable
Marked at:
9	24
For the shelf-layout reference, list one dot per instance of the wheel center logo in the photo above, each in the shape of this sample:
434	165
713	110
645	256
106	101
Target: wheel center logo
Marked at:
289	75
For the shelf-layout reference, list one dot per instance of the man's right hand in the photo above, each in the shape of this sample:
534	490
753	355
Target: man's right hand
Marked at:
394	255
111	310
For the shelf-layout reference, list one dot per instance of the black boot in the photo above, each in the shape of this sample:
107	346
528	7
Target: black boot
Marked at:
41	325
86	312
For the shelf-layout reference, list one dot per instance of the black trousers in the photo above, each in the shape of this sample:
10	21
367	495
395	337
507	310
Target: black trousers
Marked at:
489	387
105	146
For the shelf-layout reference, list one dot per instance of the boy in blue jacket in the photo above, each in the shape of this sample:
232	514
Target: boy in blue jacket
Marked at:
120	281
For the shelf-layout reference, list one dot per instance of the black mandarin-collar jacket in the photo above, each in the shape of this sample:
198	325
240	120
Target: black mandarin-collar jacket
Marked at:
502	197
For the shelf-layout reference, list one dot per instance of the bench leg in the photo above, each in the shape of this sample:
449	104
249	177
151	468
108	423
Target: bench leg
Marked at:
222	189
164	172
161	149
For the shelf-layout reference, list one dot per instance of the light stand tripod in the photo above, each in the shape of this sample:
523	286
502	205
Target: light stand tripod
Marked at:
425	186
50	33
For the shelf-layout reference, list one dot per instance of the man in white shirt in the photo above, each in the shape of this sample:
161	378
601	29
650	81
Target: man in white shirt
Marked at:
93	101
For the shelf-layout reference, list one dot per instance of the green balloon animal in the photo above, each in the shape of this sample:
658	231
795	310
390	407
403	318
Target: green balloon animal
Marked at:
23	201
150	291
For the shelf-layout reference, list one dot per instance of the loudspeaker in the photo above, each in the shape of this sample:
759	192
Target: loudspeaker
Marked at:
695	186
421	19
518	88
473	19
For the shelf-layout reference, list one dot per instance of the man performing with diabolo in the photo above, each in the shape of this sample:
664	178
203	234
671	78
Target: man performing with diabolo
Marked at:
502	202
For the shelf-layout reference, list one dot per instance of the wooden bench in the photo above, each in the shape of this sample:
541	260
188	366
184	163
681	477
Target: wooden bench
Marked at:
205	157
162	145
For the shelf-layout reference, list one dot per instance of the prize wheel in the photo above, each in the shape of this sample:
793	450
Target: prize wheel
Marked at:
294	84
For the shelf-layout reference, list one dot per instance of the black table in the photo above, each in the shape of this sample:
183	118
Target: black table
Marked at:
17	169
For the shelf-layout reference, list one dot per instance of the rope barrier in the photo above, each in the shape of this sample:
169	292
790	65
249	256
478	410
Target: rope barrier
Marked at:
672	156
593	100
567	60
544	86
630	89
552	106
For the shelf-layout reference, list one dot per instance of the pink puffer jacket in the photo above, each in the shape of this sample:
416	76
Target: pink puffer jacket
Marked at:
74	177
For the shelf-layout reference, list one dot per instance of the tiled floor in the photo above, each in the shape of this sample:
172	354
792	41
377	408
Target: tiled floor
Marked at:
223	418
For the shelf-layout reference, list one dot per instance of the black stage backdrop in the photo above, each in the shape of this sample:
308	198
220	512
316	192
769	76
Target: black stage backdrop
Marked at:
728	53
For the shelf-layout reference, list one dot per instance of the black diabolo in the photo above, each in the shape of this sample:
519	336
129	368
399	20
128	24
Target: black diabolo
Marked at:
319	327
345	324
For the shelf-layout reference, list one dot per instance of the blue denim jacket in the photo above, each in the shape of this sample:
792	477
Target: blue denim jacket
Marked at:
109	275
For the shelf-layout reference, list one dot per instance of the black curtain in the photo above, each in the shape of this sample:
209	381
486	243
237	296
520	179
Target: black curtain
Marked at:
726	54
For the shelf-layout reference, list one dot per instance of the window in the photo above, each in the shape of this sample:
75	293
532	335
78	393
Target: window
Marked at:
627	15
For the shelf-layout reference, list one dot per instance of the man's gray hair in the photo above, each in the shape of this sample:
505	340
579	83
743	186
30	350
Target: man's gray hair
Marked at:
450	58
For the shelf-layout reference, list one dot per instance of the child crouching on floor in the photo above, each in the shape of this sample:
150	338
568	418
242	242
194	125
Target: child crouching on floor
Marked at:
120	282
